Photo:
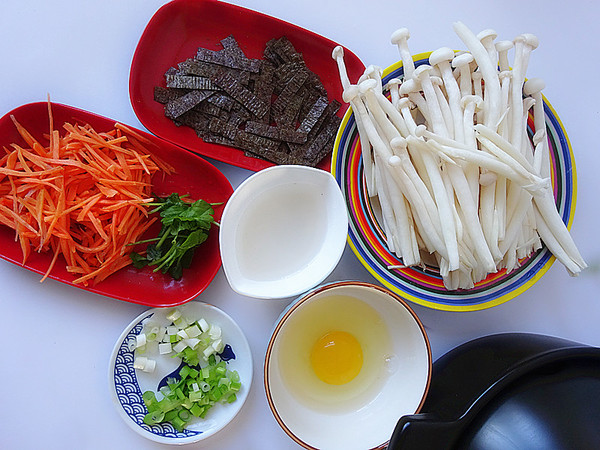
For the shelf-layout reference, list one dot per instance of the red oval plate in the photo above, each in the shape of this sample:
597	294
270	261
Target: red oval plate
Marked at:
194	176
177	30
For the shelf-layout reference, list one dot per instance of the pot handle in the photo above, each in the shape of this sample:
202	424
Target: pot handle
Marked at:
419	431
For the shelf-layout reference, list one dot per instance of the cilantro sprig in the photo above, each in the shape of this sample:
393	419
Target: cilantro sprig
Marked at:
185	225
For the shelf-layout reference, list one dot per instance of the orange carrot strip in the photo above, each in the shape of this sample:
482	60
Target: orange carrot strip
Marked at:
88	206
52	263
23	132
83	196
17	218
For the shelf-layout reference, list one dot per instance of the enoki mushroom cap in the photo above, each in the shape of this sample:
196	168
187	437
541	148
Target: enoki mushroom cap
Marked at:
399	36
533	86
440	55
338	52
462	60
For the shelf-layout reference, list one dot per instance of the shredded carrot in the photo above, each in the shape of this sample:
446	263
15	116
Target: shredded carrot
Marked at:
82	197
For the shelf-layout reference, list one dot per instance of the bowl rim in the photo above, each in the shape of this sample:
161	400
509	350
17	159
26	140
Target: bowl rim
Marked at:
229	258
541	260
285	315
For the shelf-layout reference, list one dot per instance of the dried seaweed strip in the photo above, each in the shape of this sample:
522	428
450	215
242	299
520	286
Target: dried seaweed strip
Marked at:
319	134
284	73
288	93
276	154
240	110
218	126
209	70
183	104
255	144
330	111
193	67
287	70
292	136
313	115
310	97
263	86
212	138
231	46
164	95
285	134
221	101
206	107
237	118
194	119
250	101
189	82
315	82
270	54
227	58
291	111
262	129
210	56
323	143
282	51
189	67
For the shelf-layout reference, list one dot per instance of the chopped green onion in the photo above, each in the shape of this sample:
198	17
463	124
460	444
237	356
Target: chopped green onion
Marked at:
184	372
178	423
165	348
181	322
140	340
202	381
203	324
193	331
167	404
174	315
205	372
185	415
154	417
197	410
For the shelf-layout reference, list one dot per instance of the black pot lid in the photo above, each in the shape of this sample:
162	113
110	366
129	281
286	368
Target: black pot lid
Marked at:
509	391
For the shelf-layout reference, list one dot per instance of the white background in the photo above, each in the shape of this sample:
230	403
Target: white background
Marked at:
57	340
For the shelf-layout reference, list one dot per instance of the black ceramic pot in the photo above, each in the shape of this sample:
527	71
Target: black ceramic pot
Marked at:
509	391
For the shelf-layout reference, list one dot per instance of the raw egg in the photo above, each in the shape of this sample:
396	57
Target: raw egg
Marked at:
335	354
336	357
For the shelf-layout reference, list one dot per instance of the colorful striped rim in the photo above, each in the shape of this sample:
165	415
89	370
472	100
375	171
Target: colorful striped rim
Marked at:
425	287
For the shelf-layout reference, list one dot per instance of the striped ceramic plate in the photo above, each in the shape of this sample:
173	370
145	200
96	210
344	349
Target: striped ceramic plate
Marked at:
425	286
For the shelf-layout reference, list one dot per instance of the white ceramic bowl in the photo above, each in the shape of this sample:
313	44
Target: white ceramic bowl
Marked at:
393	380
128	384
283	231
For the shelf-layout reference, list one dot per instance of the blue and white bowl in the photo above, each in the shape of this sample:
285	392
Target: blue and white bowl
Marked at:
128	384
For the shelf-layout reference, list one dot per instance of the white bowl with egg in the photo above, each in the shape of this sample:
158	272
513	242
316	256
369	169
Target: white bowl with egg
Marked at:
344	363
283	231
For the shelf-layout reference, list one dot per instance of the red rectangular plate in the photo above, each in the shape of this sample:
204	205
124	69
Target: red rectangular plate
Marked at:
193	175
177	30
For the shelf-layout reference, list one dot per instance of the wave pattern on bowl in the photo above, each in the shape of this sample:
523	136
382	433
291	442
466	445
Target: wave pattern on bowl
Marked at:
130	394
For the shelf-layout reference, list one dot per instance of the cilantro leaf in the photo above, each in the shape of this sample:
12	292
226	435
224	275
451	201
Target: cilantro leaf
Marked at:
185	226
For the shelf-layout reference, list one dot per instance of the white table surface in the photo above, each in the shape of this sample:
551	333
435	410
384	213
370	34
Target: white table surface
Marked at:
57	339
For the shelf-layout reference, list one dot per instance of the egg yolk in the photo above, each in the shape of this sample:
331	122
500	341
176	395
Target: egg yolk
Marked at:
336	357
